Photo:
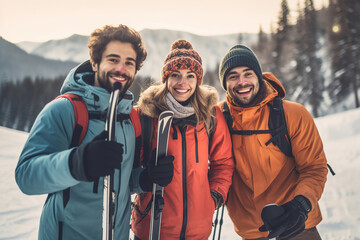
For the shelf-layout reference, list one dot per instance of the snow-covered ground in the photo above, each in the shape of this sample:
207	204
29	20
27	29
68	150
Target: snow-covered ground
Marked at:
340	203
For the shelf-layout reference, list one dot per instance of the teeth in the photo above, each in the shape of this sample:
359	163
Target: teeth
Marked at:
119	78
181	91
244	91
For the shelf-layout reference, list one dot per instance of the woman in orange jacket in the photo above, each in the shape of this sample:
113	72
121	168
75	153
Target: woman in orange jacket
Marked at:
263	173
202	150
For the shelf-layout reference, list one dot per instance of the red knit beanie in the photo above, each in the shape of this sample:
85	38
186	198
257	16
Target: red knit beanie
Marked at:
182	56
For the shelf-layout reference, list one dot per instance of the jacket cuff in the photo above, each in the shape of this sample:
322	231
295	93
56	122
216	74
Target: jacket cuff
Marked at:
76	164
304	203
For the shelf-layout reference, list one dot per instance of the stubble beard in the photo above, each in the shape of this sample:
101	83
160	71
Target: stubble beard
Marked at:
104	81
239	102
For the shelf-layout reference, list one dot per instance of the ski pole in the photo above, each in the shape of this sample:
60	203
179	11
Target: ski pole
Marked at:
108	193
221	220
164	125
215	223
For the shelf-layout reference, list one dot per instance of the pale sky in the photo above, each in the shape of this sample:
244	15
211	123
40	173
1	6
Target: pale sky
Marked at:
42	20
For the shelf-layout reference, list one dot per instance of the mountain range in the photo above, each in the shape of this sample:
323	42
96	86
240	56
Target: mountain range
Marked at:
15	64
55	57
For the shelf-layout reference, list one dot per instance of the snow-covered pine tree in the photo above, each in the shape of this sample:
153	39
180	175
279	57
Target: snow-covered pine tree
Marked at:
345	48
313	74
262	48
297	77
279	41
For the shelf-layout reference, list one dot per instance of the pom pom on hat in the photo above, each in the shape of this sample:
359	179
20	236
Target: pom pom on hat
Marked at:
182	56
179	44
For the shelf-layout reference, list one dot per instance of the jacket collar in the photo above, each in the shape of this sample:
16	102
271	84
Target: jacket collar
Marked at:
96	98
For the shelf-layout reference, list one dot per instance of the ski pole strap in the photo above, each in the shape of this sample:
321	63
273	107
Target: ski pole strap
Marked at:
146	211
159	204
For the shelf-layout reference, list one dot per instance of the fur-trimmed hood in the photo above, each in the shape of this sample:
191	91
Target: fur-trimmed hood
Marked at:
147	106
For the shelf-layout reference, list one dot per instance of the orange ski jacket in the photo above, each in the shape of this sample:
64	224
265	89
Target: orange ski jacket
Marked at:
263	174
198	168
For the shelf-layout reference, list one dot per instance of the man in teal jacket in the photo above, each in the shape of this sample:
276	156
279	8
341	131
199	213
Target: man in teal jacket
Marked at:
73	177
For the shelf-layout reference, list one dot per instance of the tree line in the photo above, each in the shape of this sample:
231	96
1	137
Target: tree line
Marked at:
315	54
316	57
22	101
319	42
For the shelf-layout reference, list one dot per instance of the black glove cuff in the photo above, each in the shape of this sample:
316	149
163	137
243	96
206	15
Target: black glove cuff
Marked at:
145	182
304	203
76	164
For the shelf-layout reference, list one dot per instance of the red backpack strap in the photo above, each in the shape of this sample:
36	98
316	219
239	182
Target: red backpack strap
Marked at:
135	120
81	118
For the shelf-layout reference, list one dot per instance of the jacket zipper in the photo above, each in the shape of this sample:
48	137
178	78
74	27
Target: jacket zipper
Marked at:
183	139
122	128
119	187
196	146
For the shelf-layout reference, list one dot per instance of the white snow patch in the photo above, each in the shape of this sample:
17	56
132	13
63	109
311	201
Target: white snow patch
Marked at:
20	214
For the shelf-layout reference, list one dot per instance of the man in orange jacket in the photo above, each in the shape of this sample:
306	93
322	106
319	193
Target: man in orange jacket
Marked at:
272	194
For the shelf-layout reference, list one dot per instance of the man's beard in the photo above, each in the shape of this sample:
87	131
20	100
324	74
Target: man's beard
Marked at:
242	104
105	83
239	102
257	98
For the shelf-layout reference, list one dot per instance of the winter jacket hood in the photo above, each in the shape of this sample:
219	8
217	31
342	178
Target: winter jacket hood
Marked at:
275	84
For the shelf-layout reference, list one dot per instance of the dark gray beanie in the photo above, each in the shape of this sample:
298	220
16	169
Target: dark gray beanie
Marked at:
238	56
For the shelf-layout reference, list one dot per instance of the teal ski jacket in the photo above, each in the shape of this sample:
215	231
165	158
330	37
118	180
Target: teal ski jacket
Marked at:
43	166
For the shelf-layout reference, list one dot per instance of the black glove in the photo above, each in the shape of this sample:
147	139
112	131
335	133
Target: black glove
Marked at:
95	159
287	220
217	197
161	174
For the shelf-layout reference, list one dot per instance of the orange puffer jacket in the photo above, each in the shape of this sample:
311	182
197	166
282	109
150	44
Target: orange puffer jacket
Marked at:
189	207
263	174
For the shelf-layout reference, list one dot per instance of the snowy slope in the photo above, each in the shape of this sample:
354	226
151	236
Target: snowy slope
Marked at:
19	213
341	199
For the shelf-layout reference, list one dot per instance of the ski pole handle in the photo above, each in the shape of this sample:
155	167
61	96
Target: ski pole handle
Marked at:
111	113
